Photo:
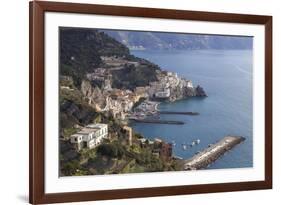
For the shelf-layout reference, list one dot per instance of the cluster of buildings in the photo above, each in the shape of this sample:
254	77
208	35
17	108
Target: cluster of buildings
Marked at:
117	62
116	101
167	82
120	102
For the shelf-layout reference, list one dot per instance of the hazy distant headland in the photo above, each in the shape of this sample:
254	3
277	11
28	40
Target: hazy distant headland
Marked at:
138	40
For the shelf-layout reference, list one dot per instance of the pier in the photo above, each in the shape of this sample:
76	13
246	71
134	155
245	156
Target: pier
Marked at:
212	153
178	113
172	122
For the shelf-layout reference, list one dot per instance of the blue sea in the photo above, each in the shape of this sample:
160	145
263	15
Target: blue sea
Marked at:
226	76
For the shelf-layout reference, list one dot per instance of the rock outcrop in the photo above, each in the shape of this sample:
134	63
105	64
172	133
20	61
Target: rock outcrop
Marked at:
93	95
179	92
200	92
75	114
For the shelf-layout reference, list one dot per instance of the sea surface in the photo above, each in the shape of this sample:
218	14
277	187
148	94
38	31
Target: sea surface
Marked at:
226	76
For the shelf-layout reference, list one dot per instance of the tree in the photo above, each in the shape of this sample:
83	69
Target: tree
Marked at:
70	168
113	150
107	150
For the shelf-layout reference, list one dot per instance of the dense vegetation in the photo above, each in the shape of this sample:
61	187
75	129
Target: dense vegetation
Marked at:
112	150
131	76
81	51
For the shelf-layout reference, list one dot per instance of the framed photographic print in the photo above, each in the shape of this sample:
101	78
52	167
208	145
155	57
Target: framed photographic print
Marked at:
138	102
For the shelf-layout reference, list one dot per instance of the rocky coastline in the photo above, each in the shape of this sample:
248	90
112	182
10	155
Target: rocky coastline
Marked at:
179	93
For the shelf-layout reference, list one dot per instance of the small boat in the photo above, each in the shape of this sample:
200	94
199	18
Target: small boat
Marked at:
184	146
192	144
197	141
173	143
176	157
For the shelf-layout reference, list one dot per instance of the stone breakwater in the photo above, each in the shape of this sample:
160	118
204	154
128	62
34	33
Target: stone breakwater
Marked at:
177	113
153	121
212	153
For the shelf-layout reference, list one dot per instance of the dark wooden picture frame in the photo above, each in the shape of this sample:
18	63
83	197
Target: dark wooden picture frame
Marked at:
37	95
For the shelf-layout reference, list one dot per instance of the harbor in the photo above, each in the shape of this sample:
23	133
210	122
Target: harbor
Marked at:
148	112
204	158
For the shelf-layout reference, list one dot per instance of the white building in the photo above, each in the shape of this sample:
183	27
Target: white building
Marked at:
189	84
163	94
90	136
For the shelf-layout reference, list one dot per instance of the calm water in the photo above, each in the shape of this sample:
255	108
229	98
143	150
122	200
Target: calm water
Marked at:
226	77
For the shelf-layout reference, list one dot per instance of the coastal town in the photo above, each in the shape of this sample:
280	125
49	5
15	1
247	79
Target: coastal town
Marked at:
102	99
126	106
122	103
139	105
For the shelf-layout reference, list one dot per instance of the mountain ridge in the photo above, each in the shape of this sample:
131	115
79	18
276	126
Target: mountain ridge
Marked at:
144	40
